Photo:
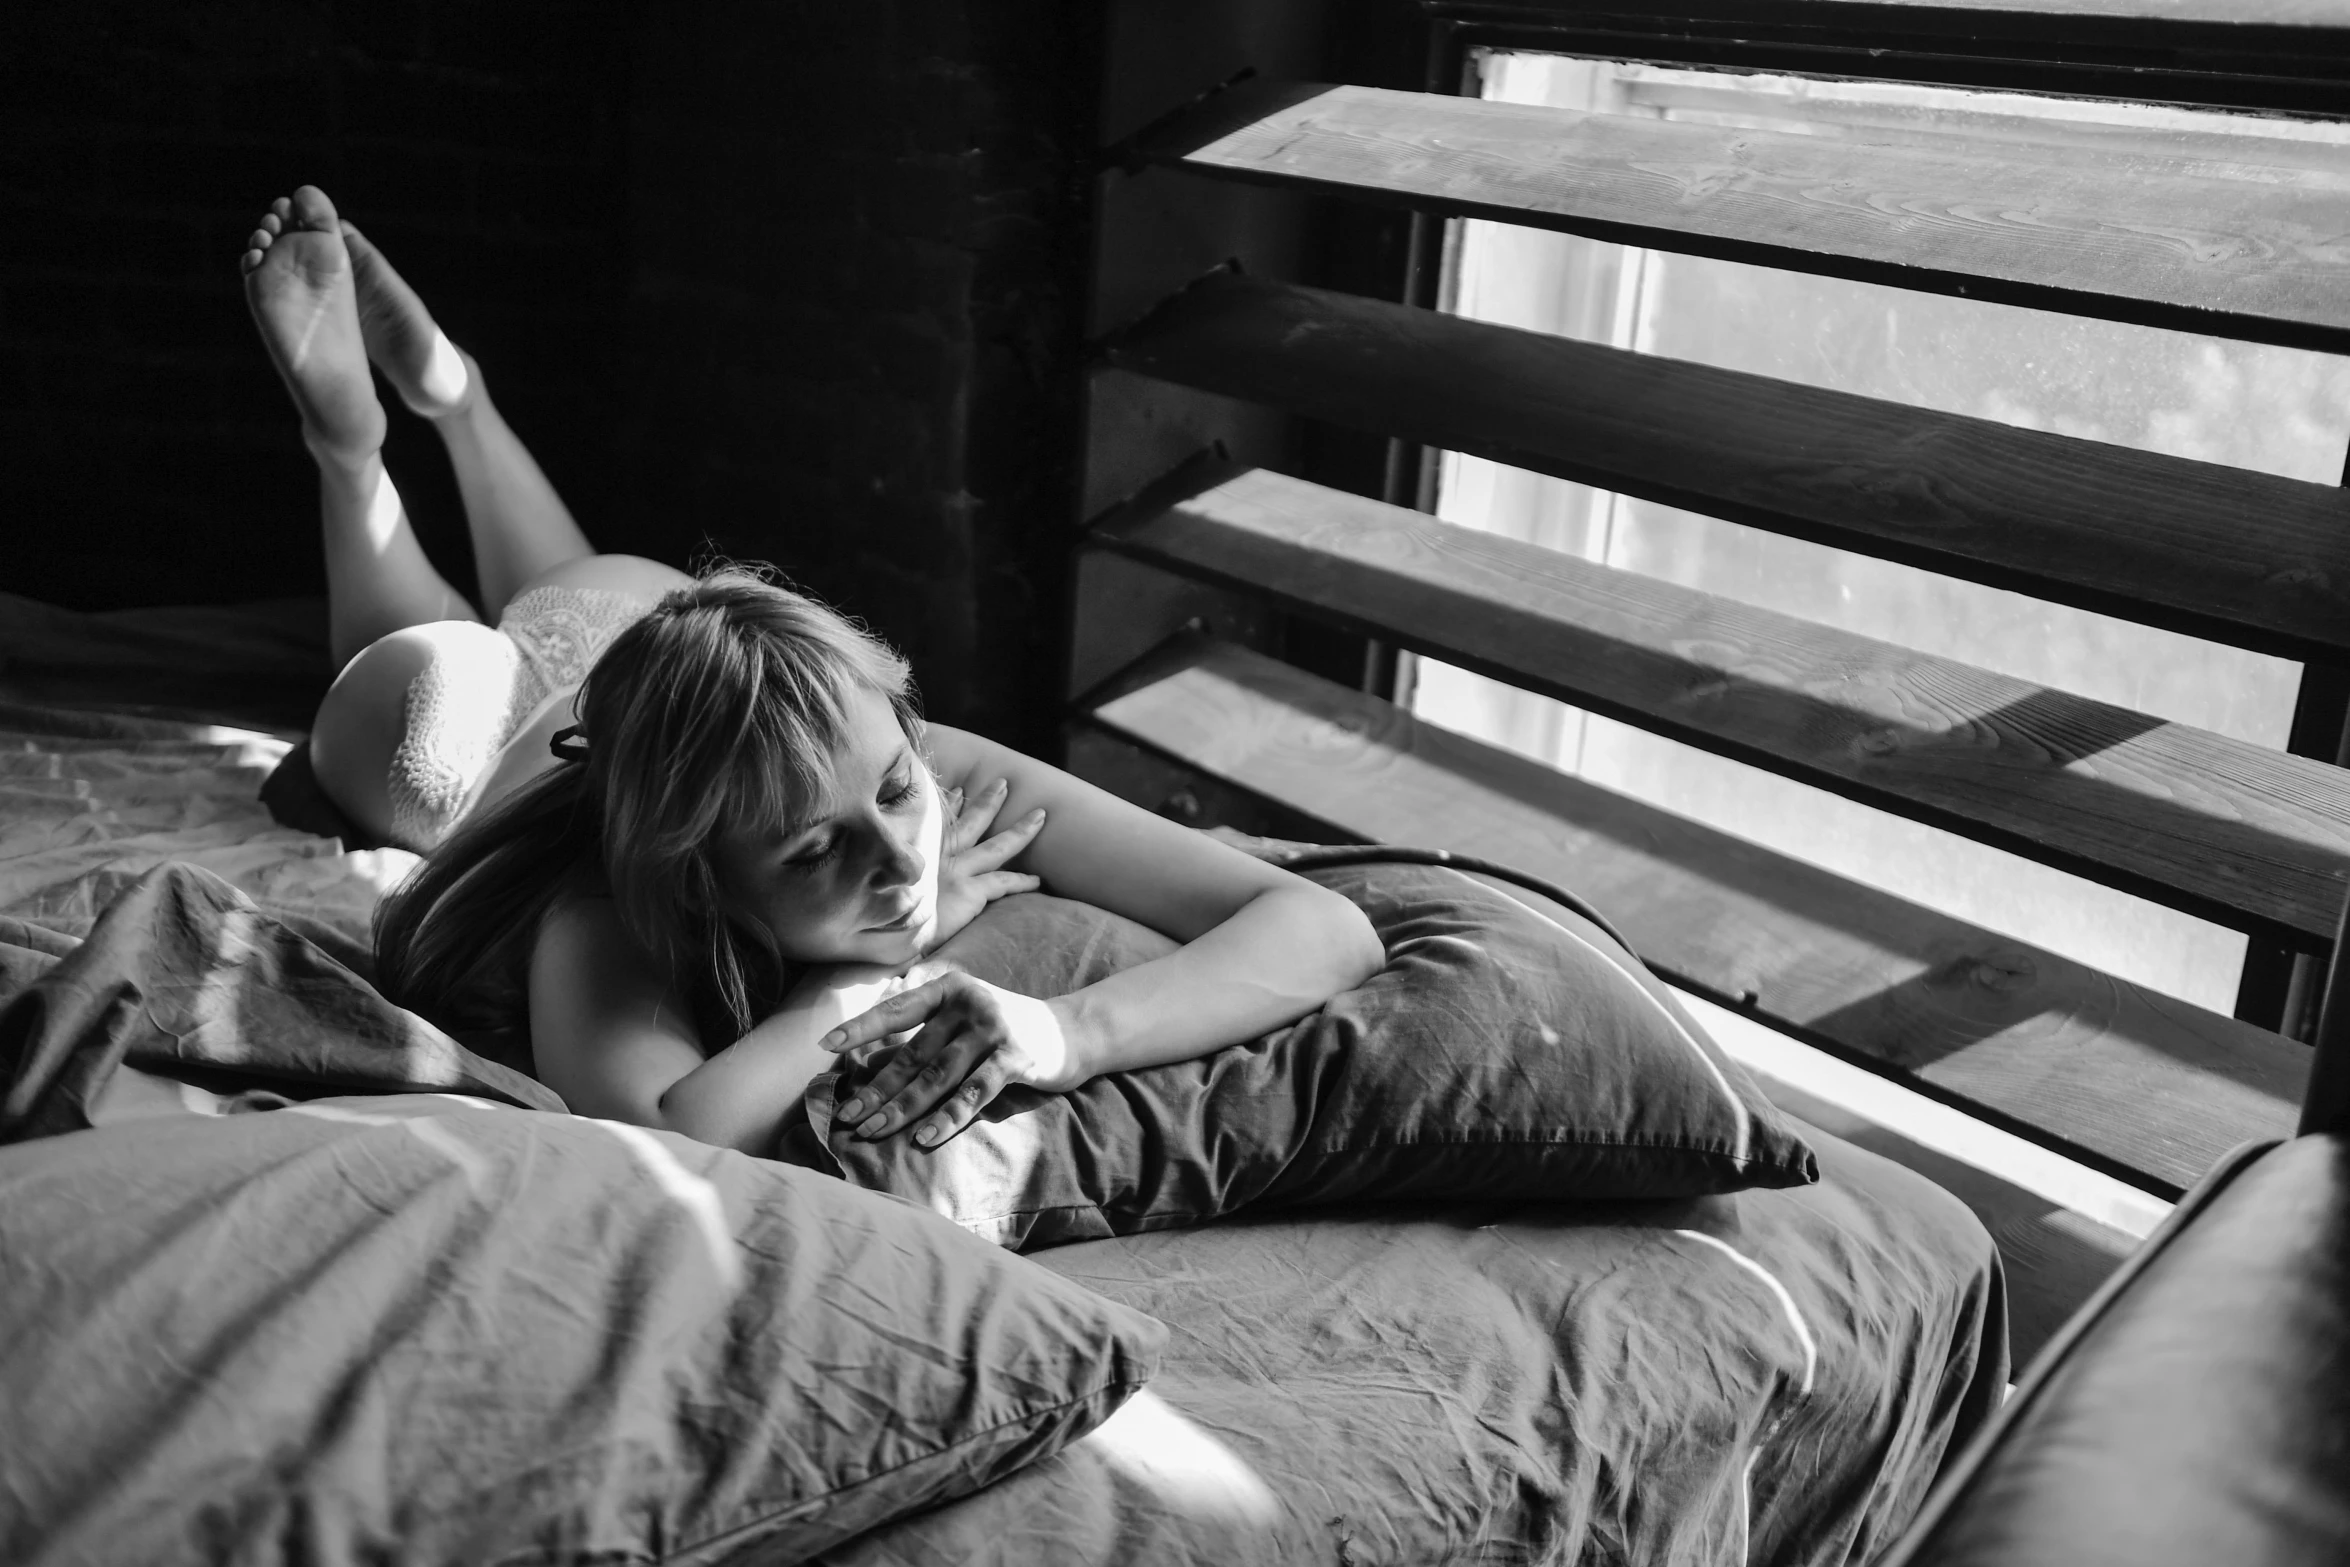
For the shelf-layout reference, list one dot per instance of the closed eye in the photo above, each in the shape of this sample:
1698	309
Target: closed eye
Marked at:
896	794
823	854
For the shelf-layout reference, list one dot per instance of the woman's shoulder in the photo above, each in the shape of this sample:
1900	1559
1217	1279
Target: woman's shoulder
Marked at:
583	944
959	757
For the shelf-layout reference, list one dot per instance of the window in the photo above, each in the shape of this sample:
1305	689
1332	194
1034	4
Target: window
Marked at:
2276	410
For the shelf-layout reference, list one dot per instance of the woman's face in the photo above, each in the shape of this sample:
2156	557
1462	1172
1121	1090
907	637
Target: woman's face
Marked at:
855	880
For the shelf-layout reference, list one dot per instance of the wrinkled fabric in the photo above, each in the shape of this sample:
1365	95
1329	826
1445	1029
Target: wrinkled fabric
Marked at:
421	1329
91	802
183	976
1765	1377
1501	1052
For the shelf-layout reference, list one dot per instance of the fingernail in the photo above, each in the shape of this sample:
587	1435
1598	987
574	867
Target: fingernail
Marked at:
872	1126
1036	815
853	1109
927	1136
831	1041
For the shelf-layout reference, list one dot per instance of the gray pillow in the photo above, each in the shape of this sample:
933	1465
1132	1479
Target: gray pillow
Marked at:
428	1329
1502	1052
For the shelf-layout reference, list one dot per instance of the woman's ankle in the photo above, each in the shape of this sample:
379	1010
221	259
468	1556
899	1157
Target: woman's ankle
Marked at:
344	467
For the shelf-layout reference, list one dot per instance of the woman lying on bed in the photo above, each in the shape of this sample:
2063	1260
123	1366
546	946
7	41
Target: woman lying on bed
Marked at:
660	813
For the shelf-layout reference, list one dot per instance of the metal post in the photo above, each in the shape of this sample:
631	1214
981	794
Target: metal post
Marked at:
2326	1107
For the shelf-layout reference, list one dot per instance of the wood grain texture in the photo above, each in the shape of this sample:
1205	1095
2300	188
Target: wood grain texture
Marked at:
2199	245
2226	830
2218	552
2148	1088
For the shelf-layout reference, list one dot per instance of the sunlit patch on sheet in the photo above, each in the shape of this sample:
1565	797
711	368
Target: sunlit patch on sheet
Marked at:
695	1195
1182	1465
1811	1349
216	1014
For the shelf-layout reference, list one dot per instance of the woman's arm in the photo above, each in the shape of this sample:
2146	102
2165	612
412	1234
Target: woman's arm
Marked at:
609	1035
1261	948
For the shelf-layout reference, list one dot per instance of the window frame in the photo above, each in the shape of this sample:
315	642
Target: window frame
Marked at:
2141	51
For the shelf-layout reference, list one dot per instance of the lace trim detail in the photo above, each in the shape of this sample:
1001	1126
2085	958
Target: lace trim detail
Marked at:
563	631
458	713
461	712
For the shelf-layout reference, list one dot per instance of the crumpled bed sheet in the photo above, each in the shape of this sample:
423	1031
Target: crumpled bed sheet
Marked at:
1766	1377
89	802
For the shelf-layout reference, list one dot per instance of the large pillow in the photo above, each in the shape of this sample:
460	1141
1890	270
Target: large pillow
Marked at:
1501	1052
425	1329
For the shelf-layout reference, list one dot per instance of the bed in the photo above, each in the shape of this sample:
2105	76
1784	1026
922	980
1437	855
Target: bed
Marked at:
1765	1376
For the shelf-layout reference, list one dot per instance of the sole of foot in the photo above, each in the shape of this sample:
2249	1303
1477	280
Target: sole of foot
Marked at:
300	287
428	371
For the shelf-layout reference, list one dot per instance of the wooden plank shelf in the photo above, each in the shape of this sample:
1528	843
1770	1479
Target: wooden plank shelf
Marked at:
2223	829
2147	1088
2199	245
2244	558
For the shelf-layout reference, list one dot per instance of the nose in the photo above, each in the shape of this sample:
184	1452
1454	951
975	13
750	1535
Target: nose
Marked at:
898	862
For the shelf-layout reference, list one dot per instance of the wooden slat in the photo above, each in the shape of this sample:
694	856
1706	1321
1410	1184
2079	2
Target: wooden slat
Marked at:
2145	1087
2245	558
2314	26
2229	831
2199	245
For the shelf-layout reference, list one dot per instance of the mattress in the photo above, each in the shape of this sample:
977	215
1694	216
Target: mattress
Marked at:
1767	1377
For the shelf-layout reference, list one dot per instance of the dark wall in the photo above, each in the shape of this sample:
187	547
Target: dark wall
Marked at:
797	283
855	318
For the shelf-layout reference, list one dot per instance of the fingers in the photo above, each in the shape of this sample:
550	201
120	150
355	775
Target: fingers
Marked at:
923	1073
975	815
1002	884
1003	846
979	1090
900	1011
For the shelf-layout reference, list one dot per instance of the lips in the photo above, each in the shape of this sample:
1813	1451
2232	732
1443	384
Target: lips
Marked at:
902	922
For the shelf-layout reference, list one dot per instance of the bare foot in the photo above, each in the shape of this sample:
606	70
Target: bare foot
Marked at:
424	367
299	285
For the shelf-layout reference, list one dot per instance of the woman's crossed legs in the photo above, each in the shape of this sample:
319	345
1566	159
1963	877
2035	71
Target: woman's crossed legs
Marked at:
327	303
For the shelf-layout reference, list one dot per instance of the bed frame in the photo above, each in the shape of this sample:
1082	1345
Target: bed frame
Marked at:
1269	371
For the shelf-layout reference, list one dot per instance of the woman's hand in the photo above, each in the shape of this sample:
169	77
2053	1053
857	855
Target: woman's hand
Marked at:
970	873
976	1041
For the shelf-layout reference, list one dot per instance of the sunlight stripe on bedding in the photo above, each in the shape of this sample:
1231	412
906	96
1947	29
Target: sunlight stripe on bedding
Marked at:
691	1192
1811	1349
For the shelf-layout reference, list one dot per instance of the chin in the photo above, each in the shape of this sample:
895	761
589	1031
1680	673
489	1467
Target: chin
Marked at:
891	946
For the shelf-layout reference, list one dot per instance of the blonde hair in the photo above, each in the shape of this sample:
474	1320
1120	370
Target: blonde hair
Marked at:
724	706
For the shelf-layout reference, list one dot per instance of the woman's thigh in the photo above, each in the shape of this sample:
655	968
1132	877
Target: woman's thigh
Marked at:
364	717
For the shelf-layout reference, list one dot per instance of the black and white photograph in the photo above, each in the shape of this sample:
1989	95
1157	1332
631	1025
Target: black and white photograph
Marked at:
1175	783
